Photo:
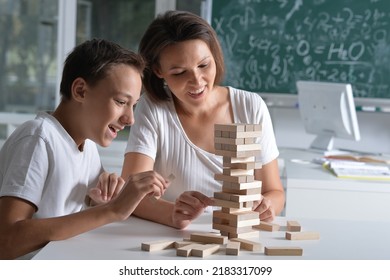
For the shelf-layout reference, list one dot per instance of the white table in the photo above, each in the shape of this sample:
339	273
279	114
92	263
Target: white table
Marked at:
350	240
313	192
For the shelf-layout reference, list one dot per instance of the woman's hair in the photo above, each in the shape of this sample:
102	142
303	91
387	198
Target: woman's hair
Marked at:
170	28
92	60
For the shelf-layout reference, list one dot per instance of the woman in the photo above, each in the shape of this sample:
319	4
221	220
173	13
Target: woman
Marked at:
176	134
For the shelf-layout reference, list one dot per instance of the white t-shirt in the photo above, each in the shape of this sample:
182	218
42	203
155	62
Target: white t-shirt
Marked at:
41	163
158	133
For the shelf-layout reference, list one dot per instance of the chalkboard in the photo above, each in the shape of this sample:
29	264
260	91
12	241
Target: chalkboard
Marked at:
270	44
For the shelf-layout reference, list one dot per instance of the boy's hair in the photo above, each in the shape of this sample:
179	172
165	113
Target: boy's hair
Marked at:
170	28
91	61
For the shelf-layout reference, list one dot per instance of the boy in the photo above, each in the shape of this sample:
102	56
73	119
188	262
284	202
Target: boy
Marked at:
49	165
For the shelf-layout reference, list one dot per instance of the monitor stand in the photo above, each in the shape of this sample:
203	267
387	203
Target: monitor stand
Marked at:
323	144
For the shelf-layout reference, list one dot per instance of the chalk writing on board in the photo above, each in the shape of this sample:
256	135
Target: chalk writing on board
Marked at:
270	44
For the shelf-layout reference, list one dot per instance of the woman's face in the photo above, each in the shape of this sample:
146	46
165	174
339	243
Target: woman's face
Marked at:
189	70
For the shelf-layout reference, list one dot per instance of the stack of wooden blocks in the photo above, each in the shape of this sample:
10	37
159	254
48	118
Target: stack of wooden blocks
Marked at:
237	144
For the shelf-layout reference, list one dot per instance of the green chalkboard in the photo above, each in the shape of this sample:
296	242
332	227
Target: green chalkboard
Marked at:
270	44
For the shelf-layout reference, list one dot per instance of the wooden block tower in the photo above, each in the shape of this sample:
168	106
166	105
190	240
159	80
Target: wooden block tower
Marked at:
236	143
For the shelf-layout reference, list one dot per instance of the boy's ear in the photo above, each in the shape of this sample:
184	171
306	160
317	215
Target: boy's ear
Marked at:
79	87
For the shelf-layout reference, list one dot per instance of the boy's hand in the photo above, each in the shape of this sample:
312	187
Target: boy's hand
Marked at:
188	206
108	187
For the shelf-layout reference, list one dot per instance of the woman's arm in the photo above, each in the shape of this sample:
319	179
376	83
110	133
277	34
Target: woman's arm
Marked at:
272	190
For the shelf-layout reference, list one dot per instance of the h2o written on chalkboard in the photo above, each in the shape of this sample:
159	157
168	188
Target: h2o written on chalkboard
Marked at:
270	44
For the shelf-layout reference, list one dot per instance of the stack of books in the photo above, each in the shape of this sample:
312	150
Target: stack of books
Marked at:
350	169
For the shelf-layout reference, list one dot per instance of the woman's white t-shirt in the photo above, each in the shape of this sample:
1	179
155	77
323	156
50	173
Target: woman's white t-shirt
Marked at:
158	133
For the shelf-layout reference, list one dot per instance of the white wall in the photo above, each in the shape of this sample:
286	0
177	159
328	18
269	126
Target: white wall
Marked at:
374	130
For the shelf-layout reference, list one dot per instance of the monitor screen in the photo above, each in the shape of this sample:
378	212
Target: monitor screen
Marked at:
328	111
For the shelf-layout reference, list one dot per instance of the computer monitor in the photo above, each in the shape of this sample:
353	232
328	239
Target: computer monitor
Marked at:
328	111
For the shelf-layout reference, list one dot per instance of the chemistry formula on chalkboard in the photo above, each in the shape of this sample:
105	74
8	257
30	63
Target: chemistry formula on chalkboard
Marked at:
270	44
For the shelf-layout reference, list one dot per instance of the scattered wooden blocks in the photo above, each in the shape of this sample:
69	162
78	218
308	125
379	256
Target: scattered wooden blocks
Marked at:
208	238
283	251
204	250
248	245
303	235
233	248
293	226
185	251
157	245
267	226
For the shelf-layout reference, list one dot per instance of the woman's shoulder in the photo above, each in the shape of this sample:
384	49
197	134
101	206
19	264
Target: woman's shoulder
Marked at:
244	96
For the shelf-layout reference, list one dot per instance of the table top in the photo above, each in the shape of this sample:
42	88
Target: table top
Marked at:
350	240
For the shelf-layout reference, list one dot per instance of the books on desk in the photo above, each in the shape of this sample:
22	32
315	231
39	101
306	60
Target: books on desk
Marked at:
358	170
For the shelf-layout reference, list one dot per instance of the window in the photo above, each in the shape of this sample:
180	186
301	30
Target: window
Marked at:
27	55
29	29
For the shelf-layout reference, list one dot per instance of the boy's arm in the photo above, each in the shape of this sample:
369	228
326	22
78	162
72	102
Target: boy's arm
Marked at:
21	234
160	210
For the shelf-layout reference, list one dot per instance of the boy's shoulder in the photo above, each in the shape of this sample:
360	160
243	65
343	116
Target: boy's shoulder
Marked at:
42	123
42	126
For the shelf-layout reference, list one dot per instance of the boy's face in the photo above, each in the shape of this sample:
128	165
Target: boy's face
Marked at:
109	104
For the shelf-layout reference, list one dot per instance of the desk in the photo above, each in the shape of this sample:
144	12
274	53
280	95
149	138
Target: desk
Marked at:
122	240
313	192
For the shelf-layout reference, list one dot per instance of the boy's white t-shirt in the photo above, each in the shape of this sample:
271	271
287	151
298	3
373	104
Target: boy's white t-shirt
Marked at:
157	133
42	164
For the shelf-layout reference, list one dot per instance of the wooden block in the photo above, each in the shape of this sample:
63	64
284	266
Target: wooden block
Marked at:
249	127
230	141
245	198
248	204
231	160
248	140
293	226
238	172
257	127
179	244
157	245
243	147
241	216
235	210
245	223
243	165
222	195
233	248
244	235
230	229
242	185
283	251
234	179
229	127
204	250
208	238
267	226
248	244
303	235
237	153
241	192
228	203
185	251
236	223
245	134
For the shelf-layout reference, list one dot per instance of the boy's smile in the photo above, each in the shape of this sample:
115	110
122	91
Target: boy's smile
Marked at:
107	107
